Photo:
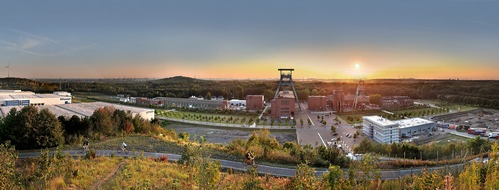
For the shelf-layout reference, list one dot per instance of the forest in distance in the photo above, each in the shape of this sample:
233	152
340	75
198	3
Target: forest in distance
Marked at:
482	93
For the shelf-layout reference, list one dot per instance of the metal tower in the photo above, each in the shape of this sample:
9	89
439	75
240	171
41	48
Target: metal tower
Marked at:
360	89
287	80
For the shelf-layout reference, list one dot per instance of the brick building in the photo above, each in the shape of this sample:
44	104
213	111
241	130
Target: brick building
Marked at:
317	103
254	102
283	105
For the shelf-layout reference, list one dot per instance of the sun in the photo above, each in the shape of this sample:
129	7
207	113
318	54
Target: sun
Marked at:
357	66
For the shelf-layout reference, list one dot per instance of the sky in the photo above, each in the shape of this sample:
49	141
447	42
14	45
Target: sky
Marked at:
423	39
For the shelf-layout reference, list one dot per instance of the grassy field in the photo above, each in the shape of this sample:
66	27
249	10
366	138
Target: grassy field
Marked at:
208	117
164	175
92	97
247	118
136	173
137	144
419	112
450	138
353	118
450	106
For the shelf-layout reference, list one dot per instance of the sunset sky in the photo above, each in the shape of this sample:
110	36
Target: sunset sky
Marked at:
234	39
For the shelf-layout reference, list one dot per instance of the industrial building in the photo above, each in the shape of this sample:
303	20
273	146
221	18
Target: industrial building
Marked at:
283	106
317	103
85	109
194	103
190	103
395	102
254	102
415	126
27	98
385	131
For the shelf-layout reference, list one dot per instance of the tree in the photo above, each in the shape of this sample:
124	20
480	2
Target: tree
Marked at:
208	96
375	98
8	158
333	176
369	176
49	130
25	133
301	122
304	178
314	92
102	121
355	135
333	129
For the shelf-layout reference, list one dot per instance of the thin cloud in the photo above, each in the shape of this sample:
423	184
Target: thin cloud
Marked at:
484	23
30	41
42	38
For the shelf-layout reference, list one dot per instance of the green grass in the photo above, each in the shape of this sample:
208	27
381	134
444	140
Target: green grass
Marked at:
357	115
137	144
450	106
418	112
450	138
208	117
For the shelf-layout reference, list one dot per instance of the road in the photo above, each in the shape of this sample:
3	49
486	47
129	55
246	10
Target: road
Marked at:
262	169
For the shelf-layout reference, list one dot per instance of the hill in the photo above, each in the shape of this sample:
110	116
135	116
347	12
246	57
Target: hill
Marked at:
26	84
180	79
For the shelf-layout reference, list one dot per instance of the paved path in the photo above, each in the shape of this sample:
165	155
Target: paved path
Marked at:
229	125
262	169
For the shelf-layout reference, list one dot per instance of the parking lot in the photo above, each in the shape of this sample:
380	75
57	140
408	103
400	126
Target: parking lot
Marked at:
312	134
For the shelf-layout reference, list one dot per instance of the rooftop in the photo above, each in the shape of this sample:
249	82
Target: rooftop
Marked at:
379	120
404	123
81	109
286	94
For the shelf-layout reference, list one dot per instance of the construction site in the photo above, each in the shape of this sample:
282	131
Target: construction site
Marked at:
477	118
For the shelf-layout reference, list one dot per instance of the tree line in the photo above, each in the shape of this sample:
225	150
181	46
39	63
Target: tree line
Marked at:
31	128
478	93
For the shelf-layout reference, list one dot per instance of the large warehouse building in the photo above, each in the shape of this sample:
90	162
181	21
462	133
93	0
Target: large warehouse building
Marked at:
26	98
385	131
195	103
85	109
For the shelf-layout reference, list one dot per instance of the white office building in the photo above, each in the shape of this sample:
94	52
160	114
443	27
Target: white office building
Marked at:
380	129
385	131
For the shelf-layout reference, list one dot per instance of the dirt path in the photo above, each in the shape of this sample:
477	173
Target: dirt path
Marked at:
109	176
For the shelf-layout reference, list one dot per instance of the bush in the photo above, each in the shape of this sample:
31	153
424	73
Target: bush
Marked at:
91	154
162	158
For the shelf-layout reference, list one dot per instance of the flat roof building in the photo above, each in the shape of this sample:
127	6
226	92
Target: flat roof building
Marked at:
194	103
317	103
415	126
85	109
385	131
380	129
26	98
254	102
283	105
